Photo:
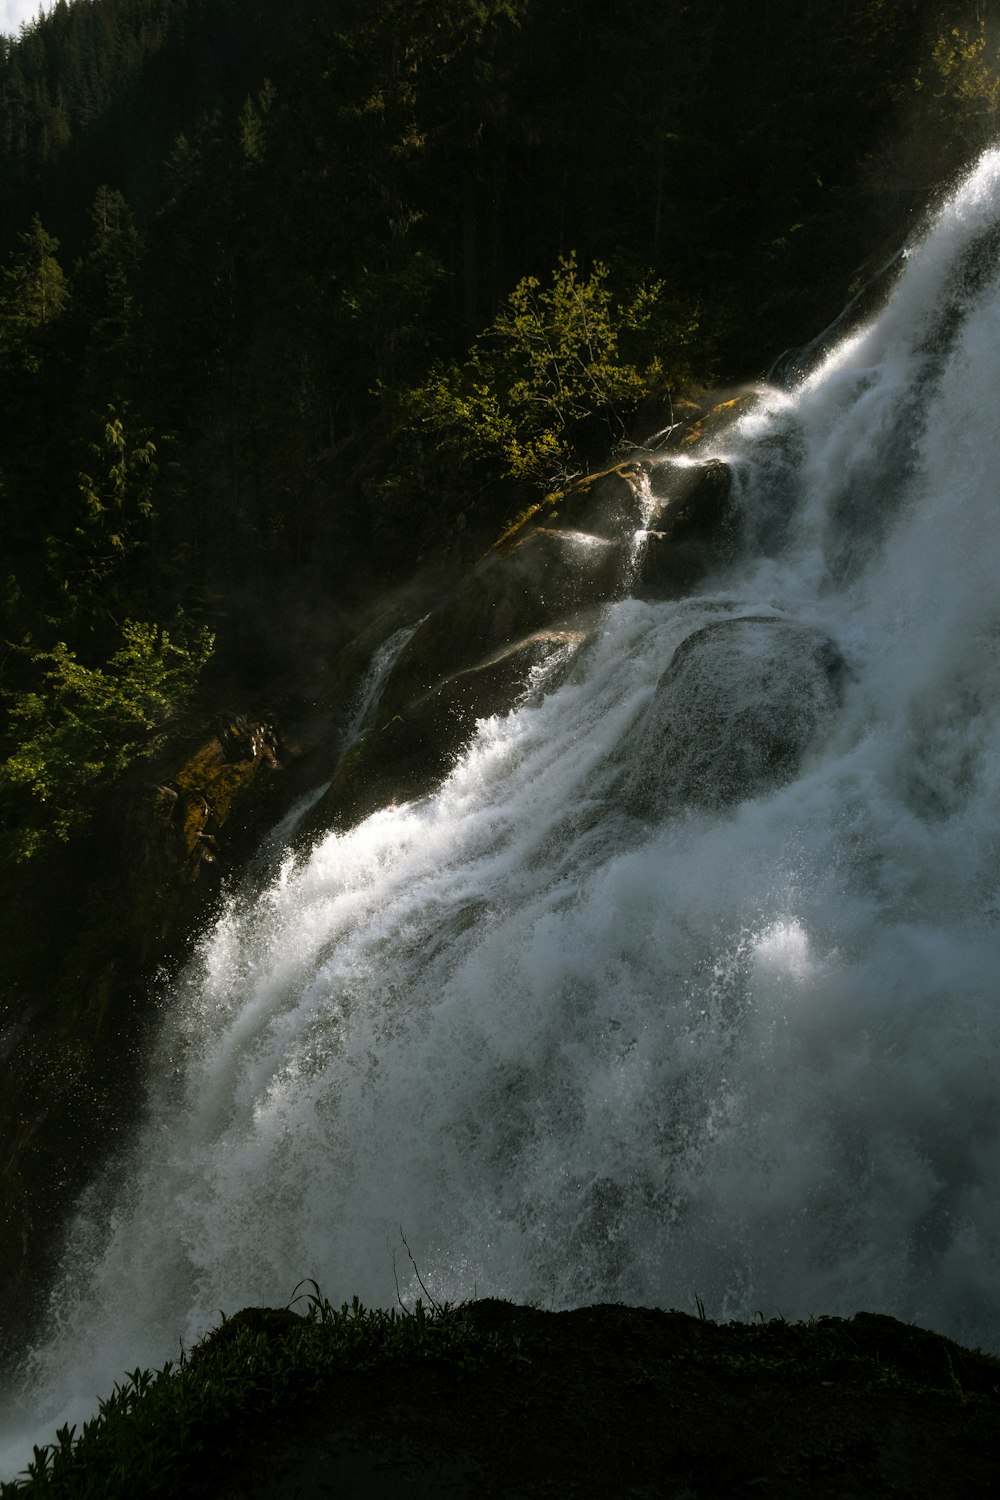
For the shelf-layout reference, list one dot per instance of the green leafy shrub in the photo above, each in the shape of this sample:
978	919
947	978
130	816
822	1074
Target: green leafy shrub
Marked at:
959	80
555	378
81	727
968	68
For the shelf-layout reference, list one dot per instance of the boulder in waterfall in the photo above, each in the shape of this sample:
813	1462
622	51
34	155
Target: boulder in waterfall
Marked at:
536	581
689	531
515	621
412	749
608	504
732	715
719	416
521	612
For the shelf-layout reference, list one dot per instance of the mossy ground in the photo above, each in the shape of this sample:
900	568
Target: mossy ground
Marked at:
491	1399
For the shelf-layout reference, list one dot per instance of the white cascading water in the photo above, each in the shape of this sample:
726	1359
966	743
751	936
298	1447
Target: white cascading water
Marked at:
581	1028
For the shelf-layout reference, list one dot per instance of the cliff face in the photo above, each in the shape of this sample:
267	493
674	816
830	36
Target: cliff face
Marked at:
84	938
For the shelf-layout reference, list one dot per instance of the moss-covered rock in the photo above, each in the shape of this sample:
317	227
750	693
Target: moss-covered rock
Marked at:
229	773
610	504
719	416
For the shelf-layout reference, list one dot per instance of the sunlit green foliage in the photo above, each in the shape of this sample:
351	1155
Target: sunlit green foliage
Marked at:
559	372
969	67
83	726
962	78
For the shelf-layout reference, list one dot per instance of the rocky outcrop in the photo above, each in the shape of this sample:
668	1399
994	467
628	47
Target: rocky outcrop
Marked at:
407	754
610	504
529	602
649	527
690	530
225	775
537	580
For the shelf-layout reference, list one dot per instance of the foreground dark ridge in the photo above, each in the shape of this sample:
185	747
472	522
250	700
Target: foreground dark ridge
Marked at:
490	1399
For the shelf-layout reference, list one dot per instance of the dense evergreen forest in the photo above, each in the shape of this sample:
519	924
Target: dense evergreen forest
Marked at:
295	297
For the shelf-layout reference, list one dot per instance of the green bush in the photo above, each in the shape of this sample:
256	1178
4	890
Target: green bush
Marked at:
81	727
556	377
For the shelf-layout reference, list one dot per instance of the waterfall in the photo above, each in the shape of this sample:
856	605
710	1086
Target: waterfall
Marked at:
629	1010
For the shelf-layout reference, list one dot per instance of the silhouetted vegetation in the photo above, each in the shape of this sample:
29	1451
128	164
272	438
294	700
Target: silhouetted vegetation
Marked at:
489	1399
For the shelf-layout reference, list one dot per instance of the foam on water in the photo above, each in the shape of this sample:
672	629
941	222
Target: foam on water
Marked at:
583	1042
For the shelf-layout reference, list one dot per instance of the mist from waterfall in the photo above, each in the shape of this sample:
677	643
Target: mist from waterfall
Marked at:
584	1028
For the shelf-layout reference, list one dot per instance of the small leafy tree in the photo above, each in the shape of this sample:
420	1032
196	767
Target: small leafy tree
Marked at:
968	68
82	727
961	85
558	373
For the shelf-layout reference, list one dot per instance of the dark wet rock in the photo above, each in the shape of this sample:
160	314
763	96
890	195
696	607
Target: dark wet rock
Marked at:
732	715
409	753
690	530
529	603
536	581
609	504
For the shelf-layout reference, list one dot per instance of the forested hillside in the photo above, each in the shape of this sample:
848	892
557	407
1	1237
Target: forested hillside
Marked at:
286	286
296	297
